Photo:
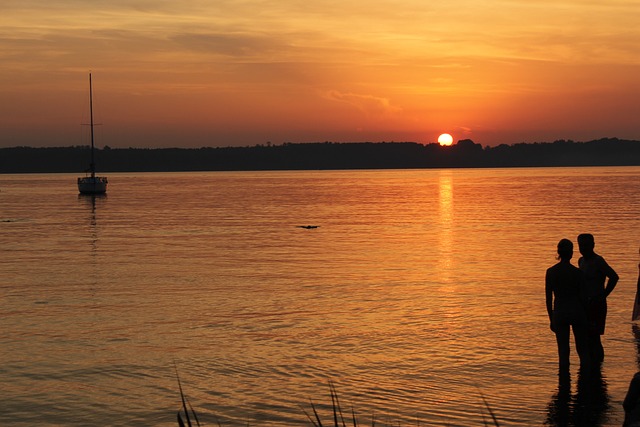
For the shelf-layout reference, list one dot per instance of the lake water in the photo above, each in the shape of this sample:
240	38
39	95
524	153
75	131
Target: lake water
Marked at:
420	293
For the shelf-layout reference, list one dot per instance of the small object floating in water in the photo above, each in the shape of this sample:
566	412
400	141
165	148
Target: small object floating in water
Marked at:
308	227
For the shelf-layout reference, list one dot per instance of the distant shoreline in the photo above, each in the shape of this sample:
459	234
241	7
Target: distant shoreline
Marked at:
323	155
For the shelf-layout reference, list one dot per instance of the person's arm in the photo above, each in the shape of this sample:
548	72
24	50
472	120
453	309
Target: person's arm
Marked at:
549	298
611	275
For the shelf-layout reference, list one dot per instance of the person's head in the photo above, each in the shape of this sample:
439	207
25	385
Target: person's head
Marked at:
565	249
586	243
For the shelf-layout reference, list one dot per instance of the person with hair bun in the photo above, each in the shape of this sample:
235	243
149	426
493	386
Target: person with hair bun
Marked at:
565	297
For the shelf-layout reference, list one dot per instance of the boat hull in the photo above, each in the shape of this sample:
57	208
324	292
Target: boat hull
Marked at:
92	185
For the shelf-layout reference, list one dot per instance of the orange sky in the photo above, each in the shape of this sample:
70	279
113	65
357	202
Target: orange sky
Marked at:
198	73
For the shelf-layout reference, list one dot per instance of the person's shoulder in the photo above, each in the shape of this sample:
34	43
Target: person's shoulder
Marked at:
599	260
552	272
554	267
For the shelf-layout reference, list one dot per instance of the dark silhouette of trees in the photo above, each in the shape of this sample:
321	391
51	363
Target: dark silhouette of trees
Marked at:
323	155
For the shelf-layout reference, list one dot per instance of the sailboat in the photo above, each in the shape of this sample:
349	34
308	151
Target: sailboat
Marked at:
92	184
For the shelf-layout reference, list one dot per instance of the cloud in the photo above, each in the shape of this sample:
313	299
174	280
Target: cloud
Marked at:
466	131
228	44
369	104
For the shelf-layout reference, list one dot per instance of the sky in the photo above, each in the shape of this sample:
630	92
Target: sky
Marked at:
196	73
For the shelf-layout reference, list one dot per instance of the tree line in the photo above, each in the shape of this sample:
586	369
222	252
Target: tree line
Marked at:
323	155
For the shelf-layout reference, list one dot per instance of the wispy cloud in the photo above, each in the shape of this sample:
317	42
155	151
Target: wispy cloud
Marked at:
232	44
369	104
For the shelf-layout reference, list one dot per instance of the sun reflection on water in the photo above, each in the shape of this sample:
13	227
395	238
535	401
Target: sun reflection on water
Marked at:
445	207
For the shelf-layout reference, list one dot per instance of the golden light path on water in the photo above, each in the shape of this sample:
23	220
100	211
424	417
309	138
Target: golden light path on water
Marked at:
445	205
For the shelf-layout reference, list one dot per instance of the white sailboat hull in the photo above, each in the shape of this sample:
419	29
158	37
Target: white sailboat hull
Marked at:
92	185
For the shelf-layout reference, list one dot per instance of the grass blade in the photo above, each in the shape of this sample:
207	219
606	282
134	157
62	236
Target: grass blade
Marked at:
317	416
493	416
184	405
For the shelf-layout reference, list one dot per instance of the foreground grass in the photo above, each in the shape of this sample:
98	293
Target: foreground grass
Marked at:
338	419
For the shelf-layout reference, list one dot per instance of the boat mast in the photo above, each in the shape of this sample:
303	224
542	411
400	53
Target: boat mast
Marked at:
92	166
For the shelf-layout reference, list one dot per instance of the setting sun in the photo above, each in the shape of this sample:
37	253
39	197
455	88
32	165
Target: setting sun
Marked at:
445	139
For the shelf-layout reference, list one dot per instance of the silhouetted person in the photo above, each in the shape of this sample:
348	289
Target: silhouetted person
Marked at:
596	272
564	289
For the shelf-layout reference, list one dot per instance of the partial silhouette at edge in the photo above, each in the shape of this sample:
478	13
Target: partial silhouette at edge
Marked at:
631	403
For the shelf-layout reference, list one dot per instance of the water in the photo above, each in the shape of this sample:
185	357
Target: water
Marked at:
420	293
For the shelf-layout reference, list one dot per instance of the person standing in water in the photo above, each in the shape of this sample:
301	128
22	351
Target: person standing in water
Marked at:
596	272
564	289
